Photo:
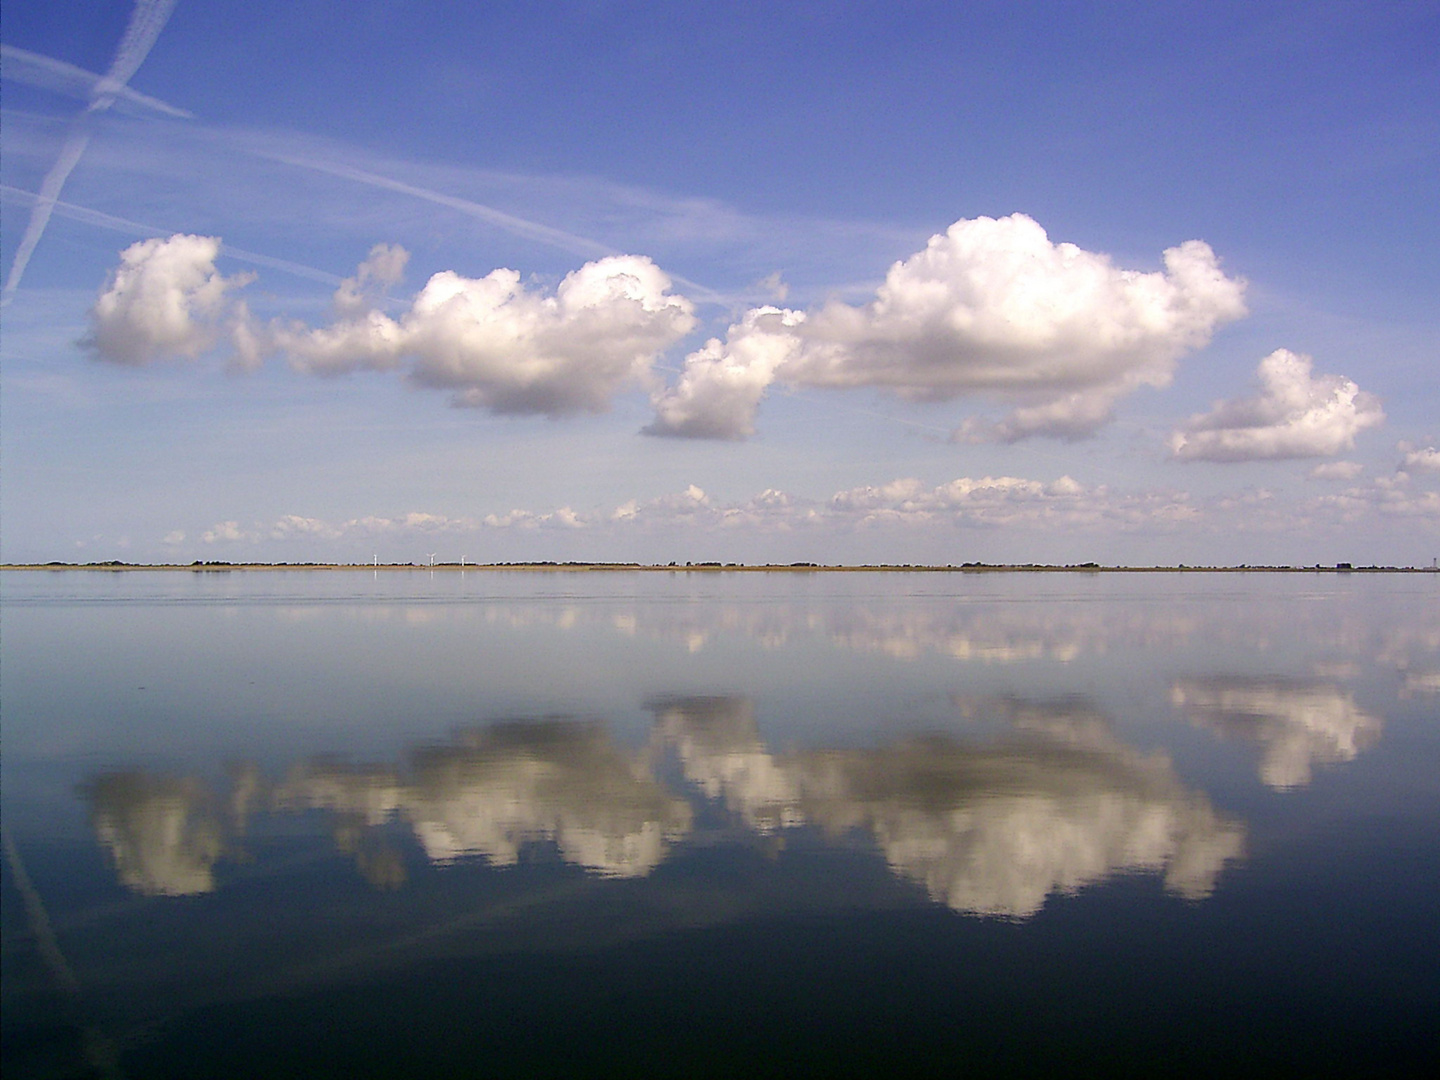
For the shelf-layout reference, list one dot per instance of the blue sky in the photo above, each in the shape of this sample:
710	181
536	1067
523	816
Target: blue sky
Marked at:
824	282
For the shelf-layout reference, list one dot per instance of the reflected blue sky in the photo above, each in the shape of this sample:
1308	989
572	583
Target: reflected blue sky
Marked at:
420	769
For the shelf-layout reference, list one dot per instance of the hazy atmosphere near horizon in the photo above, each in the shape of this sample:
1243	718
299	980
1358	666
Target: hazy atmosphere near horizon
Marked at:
839	282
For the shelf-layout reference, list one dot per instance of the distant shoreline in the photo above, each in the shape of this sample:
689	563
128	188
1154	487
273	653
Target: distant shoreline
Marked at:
114	566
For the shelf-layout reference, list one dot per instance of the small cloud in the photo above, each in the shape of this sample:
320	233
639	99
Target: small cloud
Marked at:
382	269
1421	459
173	538
1337	470
225	532
426	522
722	384
1295	415
774	287
1071	417
563	518
292	526
164	300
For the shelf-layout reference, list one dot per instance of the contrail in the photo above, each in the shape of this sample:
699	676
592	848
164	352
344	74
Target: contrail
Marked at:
102	220
518	226
47	73
146	22
531	230
100	1052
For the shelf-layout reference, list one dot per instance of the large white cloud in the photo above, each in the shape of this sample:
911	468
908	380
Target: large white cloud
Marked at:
165	299
499	345
990	307
1295	415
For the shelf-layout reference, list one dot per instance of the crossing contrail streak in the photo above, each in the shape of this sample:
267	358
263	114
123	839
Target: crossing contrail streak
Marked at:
47	73
517	226
146	22
101	220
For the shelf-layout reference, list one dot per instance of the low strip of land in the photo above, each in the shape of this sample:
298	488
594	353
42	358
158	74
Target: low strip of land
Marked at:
719	567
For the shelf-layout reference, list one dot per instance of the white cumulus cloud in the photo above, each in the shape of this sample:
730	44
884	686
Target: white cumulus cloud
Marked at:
1295	415
492	341
226	532
382	268
499	345
1423	459
722	384
992	501
1337	470
165	299
990	307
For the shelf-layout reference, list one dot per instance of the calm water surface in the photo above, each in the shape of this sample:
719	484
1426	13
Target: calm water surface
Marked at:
484	824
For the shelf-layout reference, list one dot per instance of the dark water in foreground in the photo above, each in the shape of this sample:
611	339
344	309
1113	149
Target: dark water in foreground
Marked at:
344	824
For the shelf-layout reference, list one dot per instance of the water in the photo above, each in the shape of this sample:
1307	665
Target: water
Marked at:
403	823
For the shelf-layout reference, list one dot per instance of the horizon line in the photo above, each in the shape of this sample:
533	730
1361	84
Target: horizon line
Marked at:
222	565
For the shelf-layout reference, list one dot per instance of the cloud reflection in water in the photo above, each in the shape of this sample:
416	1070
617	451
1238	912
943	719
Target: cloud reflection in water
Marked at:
494	789
988	828
1298	724
161	831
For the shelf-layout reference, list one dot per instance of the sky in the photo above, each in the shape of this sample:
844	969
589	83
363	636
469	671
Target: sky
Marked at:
1141	283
